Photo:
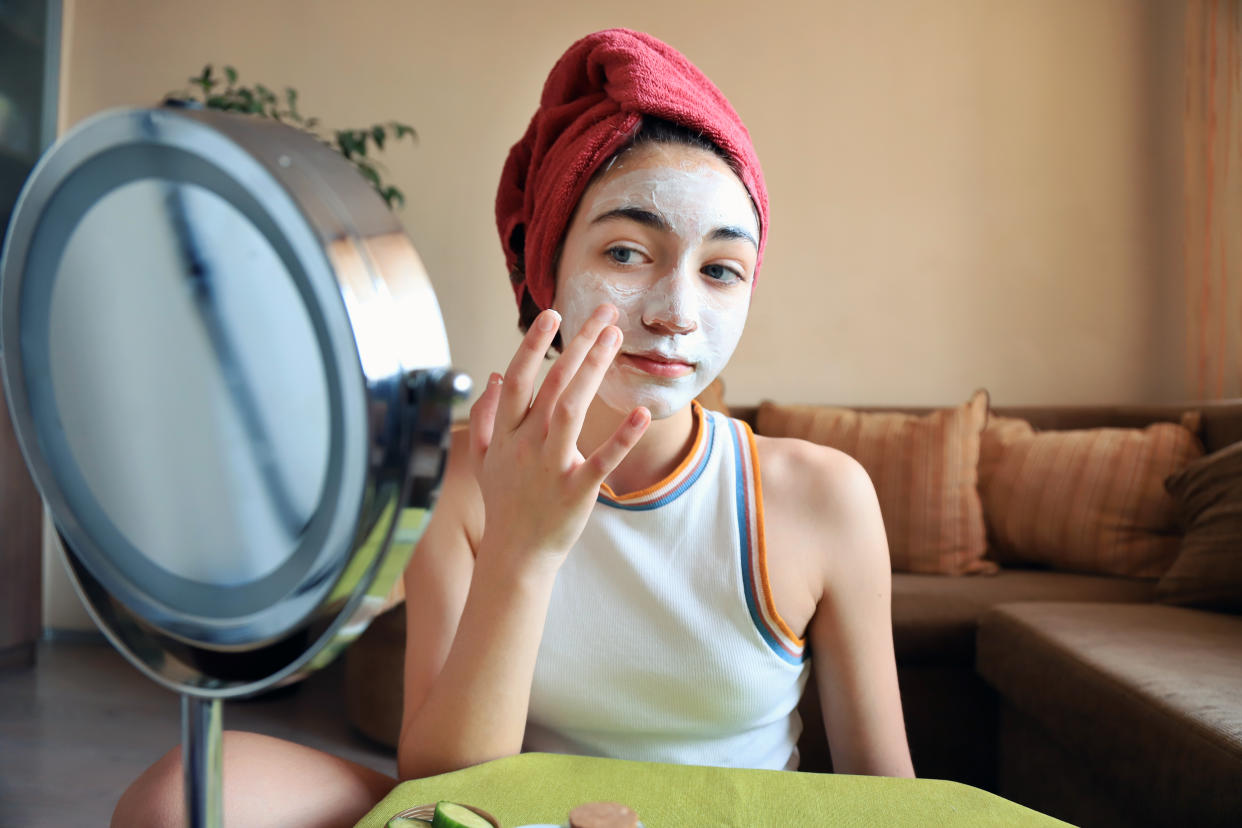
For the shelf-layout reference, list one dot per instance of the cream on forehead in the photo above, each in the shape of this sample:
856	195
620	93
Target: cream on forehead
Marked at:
693	197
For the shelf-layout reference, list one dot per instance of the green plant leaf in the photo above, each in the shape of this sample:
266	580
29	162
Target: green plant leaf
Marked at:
345	143
392	194
368	172
204	80
260	100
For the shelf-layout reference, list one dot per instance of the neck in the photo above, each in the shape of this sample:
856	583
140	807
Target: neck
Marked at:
657	454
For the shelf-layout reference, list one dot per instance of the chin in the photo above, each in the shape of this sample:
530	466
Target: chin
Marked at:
662	401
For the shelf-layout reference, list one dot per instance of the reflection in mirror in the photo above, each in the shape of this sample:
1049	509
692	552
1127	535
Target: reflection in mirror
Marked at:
189	381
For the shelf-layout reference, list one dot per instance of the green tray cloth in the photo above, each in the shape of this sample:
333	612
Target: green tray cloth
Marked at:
542	787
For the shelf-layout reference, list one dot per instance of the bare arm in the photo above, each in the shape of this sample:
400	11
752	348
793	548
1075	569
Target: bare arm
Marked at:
438	582
516	497
851	632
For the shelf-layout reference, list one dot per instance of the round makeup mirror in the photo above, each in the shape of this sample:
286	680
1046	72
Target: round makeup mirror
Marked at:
230	380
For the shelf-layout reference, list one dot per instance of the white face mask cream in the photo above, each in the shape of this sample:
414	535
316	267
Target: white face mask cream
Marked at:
667	235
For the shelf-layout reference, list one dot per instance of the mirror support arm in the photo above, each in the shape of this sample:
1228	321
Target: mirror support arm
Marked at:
201	733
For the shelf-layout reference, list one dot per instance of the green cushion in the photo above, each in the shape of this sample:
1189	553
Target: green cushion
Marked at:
541	787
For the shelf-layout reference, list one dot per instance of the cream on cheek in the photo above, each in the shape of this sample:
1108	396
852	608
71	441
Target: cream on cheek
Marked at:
708	348
581	293
716	321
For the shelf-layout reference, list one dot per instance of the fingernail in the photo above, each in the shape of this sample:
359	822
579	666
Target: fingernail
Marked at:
640	414
603	312
610	337
495	379
548	320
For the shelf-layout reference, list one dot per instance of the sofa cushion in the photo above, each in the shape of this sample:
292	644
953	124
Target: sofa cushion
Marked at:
924	469
935	618
1147	695
1208	570
1087	500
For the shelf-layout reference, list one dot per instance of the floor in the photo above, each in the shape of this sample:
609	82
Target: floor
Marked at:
77	728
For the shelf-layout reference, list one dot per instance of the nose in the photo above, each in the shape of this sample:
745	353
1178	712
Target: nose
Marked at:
671	306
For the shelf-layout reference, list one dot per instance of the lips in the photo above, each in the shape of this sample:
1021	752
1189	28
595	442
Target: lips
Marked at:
657	364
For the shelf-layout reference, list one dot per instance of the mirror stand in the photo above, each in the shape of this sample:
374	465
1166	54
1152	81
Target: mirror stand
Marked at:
228	374
201	743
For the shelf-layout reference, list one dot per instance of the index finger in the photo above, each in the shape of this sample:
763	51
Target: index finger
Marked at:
519	382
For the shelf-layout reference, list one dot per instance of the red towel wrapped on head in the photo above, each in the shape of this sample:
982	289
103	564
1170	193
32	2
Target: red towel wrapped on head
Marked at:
592	105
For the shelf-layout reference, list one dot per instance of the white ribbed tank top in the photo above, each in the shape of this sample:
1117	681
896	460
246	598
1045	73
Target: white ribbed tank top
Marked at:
662	642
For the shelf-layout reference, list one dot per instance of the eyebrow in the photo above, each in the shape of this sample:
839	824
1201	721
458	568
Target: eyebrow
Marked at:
731	233
655	221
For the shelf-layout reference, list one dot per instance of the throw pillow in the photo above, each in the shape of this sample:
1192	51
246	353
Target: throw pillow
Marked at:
1208	571
923	469
1083	500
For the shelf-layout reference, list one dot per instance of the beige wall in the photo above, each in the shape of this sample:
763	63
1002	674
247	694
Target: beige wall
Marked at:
965	193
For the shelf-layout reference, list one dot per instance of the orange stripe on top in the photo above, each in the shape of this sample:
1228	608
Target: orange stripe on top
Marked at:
700	435
764	583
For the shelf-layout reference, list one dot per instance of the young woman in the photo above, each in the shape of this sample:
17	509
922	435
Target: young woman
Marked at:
610	568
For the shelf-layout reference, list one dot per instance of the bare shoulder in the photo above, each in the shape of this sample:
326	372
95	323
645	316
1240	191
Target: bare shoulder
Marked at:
826	480
834	511
821	498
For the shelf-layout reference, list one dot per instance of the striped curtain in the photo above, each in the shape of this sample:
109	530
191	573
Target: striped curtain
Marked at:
1212	241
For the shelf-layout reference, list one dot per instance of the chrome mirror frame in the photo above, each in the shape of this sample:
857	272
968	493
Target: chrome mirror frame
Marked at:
390	389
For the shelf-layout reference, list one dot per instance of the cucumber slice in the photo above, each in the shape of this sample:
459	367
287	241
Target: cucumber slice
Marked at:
452	815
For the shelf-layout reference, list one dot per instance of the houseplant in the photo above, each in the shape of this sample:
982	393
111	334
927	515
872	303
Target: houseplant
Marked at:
357	145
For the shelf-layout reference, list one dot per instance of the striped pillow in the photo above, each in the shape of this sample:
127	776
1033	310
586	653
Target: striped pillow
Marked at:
924	473
1086	500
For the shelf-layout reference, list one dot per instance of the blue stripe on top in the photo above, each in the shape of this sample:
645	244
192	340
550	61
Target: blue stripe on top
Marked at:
681	488
748	575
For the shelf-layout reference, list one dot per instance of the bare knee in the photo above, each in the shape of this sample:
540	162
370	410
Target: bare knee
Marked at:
156	799
266	781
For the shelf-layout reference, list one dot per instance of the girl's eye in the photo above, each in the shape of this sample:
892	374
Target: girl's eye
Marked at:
720	273
623	255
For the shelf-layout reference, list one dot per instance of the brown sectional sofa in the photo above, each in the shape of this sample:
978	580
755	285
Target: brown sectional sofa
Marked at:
1124	714
1074	694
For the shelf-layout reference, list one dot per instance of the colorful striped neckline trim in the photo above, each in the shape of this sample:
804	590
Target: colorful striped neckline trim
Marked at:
681	478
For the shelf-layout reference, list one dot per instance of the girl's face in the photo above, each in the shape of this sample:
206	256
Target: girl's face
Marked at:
668	234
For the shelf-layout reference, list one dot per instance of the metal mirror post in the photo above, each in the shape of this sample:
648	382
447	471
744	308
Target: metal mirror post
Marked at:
229	377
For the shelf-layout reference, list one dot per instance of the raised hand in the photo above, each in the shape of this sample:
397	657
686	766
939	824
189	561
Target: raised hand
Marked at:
538	489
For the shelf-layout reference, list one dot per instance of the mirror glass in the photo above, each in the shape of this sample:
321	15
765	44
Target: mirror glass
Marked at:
189	382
